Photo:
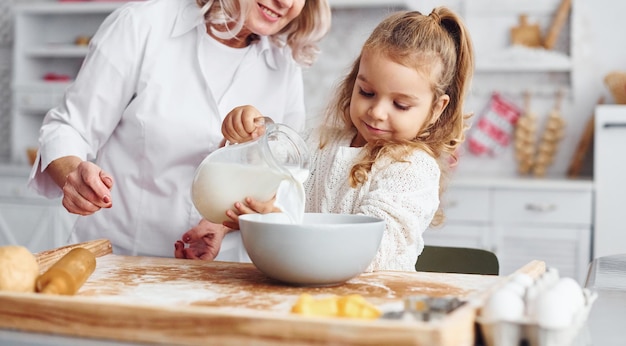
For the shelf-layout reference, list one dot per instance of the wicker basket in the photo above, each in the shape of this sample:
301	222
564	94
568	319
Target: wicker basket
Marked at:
616	82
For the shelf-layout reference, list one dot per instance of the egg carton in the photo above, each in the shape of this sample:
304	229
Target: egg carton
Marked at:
525	332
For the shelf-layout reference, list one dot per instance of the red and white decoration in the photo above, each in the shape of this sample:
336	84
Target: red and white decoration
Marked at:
494	129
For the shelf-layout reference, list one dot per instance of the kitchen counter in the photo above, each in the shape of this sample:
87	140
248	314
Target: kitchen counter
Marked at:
172	301
607	277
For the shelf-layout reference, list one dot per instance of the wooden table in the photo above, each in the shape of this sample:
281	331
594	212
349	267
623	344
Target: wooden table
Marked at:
175	301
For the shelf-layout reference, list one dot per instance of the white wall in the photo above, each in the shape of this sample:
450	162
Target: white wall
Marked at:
597	47
601	30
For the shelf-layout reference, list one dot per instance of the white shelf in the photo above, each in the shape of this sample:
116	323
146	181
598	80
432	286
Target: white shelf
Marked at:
57	51
539	67
39	85
51	8
523	59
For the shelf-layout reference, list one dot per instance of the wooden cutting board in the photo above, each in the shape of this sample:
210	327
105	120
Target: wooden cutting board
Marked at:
175	301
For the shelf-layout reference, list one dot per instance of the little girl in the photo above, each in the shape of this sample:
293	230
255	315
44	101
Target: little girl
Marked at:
391	132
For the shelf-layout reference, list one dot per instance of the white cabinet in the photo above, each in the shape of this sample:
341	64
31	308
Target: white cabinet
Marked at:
548	224
27	219
610	180
46	57
521	220
468	215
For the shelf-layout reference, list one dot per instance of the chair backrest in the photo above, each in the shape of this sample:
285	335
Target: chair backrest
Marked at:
444	259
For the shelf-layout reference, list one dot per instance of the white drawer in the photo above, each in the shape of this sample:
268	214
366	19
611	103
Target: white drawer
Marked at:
467	235
541	206
466	204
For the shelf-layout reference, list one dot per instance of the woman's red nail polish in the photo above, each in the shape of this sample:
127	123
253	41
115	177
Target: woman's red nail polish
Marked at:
106	199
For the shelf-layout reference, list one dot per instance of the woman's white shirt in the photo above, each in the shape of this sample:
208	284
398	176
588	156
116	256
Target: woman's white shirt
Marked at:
142	109
404	194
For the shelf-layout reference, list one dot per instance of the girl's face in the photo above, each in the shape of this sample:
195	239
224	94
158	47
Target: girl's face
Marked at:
268	17
391	101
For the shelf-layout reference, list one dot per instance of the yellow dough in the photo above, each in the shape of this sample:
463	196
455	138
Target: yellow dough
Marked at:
352	306
18	269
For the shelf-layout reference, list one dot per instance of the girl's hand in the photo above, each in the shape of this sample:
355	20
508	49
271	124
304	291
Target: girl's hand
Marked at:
243	124
204	241
249	207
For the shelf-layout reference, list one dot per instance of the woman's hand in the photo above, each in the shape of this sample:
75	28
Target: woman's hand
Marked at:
204	241
243	124
86	187
251	206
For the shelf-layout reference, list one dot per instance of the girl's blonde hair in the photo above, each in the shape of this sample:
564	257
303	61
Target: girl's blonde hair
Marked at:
421	42
302	34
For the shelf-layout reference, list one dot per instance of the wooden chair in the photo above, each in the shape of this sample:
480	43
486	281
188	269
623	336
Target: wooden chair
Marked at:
445	259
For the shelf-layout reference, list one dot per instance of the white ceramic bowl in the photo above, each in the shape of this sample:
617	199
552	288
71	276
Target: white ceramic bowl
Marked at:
325	250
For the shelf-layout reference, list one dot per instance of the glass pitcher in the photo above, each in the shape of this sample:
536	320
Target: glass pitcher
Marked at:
279	158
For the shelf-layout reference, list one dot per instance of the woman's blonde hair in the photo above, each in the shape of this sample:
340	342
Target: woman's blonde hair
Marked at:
302	34
421	42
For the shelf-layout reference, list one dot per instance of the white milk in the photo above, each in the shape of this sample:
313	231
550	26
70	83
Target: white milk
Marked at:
217	186
290	196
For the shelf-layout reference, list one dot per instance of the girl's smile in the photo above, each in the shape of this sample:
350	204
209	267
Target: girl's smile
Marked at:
374	129
390	101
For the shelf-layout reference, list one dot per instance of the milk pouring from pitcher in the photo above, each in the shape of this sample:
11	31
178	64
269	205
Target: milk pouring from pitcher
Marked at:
256	169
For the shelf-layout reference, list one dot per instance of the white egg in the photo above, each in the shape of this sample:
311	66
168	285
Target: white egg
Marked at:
572	292
548	278
552	310
523	279
503	305
516	287
530	299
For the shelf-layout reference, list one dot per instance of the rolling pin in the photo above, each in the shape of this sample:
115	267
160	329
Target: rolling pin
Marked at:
557	24
68	274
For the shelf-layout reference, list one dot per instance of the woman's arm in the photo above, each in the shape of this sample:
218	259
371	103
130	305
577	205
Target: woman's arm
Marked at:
92	106
59	169
86	187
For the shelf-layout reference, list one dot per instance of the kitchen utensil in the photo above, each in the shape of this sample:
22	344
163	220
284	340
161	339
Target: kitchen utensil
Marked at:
557	24
252	169
324	250
526	34
425	308
68	274
584	144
